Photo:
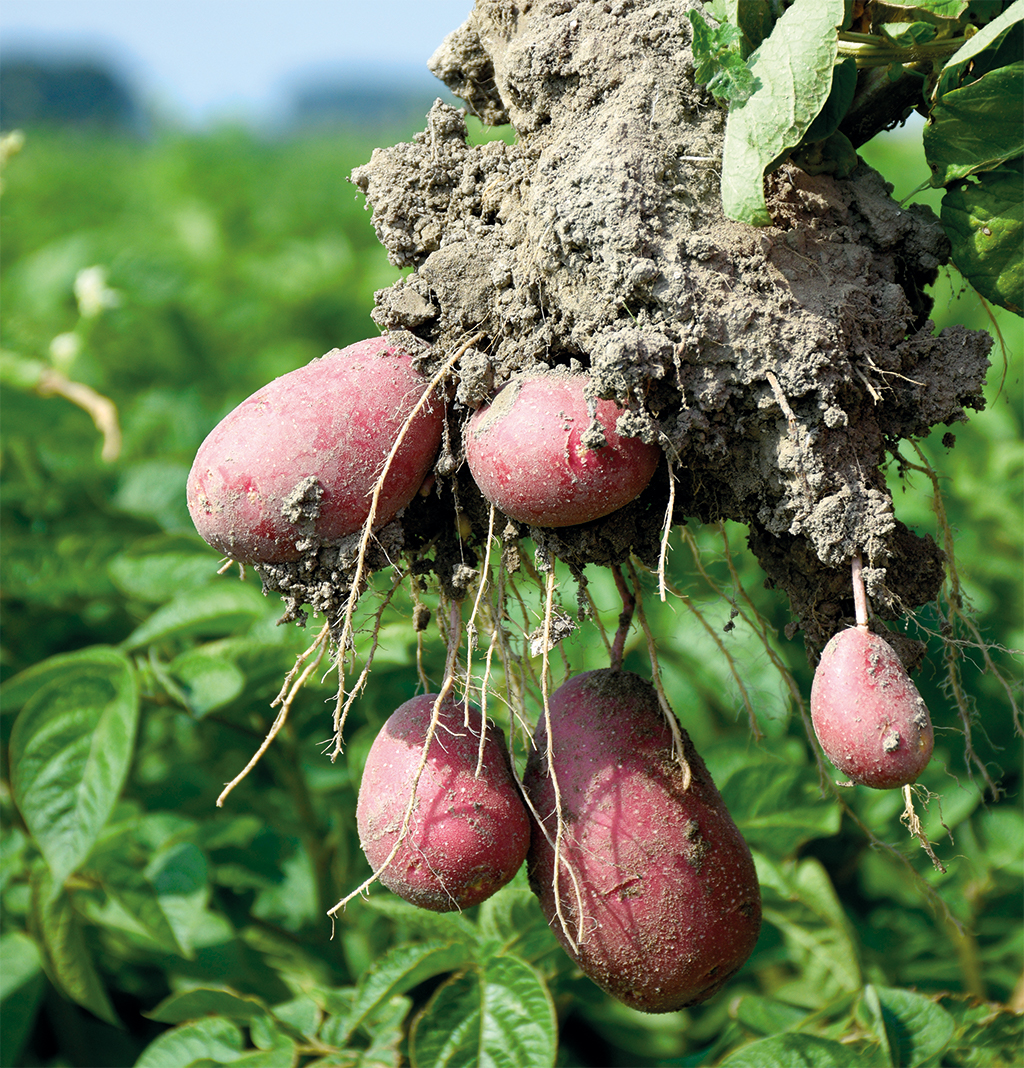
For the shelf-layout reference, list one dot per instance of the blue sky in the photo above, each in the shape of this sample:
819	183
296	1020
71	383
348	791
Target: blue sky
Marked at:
200	60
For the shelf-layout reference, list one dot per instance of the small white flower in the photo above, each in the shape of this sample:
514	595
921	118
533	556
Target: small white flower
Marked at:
92	292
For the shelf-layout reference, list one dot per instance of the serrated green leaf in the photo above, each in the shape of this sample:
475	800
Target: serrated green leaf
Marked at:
496	1015
213	1038
778	806
513	918
70	751
918	1029
66	958
984	219
217	609
971	129
208	1001
794	1050
127	888
793	70
400	970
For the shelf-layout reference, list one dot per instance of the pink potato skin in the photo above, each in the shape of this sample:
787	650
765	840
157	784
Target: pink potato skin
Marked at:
300	457
867	713
671	902
525	453
468	834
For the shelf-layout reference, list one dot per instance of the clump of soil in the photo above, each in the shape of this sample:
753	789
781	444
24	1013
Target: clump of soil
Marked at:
778	367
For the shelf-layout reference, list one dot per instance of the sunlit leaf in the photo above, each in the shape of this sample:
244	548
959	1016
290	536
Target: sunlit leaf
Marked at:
496	1015
70	751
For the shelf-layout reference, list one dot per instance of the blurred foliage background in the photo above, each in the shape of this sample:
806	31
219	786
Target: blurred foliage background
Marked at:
175	275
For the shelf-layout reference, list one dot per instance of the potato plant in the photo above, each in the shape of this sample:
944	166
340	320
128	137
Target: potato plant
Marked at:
193	788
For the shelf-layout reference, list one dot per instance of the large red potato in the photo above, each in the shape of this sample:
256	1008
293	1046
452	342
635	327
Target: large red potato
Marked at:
525	452
468	834
299	458
669	904
868	715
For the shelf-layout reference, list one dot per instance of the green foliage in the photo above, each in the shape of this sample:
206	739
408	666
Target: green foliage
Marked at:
788	96
141	920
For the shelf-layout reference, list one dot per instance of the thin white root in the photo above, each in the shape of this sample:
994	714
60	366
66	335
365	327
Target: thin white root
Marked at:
666	531
912	822
678	746
545	687
435	717
364	542
282	715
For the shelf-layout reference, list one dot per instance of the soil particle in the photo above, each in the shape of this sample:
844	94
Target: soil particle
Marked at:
778	367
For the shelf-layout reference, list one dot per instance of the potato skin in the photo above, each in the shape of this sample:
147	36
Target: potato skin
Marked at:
671	902
526	455
468	834
867	713
300	457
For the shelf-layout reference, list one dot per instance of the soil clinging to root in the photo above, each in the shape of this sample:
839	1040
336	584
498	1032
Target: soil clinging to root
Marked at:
778	367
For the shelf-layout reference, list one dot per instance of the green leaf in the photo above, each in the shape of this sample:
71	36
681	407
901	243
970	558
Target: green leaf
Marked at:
984	219
66	958
793	71
207	1001
979	52
840	97
918	1029
800	901
498	1014
971	129
513	918
133	904
157	569
17	690
207	681
766	1015
794	1050
778	806
70	751
213	1039
400	970
220	608
19	962
447	925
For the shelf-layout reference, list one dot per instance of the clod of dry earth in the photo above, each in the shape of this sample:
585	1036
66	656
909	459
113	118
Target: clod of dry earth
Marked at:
779	367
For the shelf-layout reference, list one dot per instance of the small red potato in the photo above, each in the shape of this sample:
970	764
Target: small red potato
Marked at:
868	715
669	905
526	454
299	459
468	833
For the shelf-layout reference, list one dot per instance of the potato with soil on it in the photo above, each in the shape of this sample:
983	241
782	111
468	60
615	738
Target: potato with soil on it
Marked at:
468	834
530	452
669	905
296	463
867	713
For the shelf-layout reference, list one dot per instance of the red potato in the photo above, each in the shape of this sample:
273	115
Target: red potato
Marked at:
526	454
299	458
468	834
868	715
671	906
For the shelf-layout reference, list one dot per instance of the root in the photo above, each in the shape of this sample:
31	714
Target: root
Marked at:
289	691
545	685
956	620
913	824
678	745
625	619
446	686
666	530
860	596
358	577
341	711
